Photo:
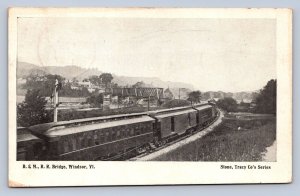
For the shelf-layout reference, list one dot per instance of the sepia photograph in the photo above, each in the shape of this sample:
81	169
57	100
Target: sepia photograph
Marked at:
119	87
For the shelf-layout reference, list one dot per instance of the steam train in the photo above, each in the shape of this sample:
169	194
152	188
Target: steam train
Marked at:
105	138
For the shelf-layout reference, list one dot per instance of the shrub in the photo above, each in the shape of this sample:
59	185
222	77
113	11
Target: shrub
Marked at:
176	103
32	110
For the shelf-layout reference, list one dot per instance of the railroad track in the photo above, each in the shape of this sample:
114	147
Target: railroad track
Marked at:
140	156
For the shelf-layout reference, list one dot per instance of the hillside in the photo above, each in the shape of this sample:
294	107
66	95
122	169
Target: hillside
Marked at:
150	81
71	71
68	72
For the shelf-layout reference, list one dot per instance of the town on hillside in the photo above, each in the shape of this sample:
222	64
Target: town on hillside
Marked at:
106	94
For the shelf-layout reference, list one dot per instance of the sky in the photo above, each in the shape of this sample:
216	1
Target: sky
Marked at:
211	54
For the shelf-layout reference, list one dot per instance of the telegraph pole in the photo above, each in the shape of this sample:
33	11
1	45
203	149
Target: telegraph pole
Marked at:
55	101
179	93
148	102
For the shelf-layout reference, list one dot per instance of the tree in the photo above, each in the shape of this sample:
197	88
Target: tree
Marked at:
45	84
140	84
228	104
194	97
106	78
32	110
266	99
75	81
176	103
96	80
95	100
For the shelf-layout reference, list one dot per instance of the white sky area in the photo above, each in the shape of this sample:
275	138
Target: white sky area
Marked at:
211	54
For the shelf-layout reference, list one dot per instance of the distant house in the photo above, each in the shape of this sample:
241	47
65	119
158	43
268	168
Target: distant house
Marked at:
74	87
114	99
85	84
168	94
216	99
91	90
253	105
212	101
243	107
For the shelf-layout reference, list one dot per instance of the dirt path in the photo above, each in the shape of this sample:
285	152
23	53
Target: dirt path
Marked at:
182	142
270	154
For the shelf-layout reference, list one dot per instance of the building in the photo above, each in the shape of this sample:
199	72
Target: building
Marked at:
85	84
168	94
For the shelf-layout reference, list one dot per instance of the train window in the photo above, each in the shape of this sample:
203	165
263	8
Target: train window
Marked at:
121	133
66	146
172	124
99	137
82	142
143	129
102	138
86	141
73	144
118	134
131	132
90	141
148	127
124	133
114	136
70	140
78	142
96	139
137	131
107	138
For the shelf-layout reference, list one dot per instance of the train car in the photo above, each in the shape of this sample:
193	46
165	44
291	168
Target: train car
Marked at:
29	147
173	122
214	110
97	140
204	115
103	138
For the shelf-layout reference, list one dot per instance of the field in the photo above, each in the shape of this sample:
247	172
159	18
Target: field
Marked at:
237	138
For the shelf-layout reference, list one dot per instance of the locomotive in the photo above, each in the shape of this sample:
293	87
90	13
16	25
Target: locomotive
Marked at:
105	138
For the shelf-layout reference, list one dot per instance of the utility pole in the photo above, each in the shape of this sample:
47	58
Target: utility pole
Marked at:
148	102
55	101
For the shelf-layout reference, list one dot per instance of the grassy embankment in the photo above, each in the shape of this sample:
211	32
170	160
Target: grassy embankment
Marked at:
228	142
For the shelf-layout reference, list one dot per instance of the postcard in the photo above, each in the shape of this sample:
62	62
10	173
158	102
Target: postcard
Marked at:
149	96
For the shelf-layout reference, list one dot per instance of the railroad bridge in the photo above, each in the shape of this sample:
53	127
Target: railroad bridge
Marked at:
136	92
